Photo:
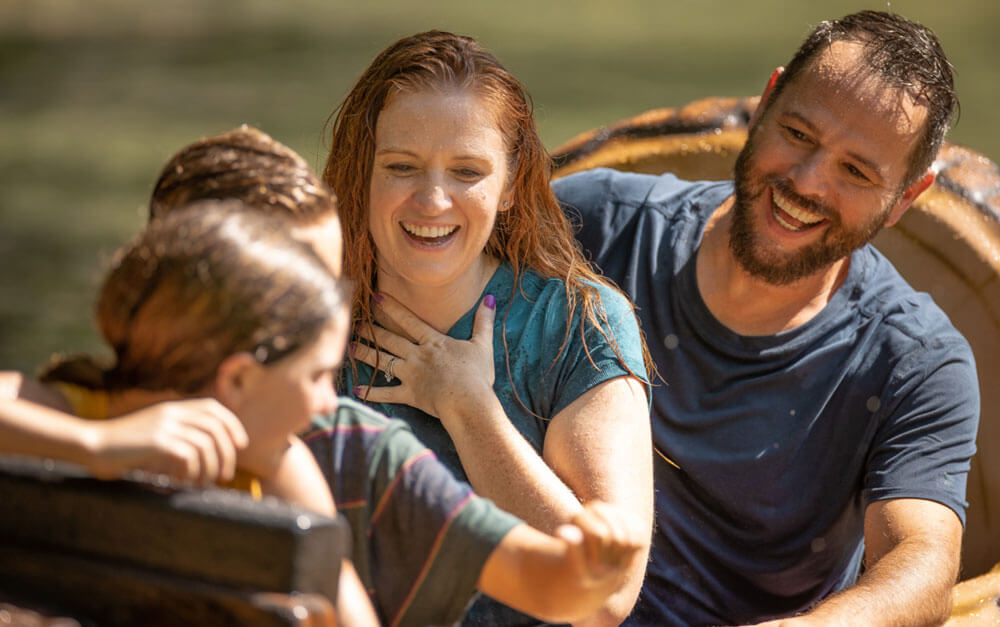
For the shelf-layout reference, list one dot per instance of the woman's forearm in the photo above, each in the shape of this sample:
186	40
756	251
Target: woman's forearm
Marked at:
502	466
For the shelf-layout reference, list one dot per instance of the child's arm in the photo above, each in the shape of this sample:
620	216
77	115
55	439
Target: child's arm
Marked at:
354	608
568	577
191	439
299	480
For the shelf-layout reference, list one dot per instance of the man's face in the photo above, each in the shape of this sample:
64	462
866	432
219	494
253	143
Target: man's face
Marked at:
823	168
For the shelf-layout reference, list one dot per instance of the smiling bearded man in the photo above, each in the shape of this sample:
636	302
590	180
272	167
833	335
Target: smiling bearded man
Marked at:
819	413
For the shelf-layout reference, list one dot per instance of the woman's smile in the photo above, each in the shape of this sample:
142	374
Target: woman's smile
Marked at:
433	236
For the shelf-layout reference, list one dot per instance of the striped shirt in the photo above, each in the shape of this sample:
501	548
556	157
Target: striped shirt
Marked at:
421	537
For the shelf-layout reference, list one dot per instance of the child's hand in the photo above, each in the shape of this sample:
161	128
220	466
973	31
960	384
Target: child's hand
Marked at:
191	439
602	542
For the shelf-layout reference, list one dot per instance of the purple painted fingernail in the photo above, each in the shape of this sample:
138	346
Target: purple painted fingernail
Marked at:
490	301
379	298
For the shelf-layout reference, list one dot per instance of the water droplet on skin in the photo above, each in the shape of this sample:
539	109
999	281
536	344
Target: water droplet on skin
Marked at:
303	522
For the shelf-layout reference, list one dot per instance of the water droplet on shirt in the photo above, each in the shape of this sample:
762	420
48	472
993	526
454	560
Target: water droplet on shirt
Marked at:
671	341
818	545
873	404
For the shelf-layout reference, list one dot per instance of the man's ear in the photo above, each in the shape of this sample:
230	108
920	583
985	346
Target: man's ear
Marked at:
235	377
911	194
764	97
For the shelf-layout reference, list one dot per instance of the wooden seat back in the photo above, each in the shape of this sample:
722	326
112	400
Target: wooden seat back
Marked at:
142	553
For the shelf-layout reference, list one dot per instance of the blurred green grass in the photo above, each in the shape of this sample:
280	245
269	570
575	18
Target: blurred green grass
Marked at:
95	96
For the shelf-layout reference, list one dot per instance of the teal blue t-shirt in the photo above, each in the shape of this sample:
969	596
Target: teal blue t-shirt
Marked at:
549	367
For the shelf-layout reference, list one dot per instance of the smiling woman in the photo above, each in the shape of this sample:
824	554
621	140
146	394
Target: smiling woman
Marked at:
448	218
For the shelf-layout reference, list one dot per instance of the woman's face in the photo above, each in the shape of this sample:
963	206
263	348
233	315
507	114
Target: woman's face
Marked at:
438	180
281	398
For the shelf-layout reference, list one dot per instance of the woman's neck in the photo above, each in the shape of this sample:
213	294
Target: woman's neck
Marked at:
440	306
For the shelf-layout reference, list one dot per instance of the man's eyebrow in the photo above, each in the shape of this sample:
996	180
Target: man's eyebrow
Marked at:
868	163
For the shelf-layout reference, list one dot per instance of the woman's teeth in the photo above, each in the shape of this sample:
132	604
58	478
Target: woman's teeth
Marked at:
431	232
804	218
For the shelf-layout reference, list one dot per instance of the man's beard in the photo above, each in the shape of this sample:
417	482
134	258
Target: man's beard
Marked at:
780	268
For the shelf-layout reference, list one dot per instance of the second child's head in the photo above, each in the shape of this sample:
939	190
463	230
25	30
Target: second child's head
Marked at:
248	165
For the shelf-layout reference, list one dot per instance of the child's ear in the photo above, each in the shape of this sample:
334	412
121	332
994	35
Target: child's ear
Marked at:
235	378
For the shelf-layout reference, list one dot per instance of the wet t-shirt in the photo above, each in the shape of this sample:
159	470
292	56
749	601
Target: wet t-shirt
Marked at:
780	442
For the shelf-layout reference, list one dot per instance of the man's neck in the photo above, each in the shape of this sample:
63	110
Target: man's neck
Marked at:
746	304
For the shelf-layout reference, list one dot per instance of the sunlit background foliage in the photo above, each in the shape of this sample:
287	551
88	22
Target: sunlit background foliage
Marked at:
94	96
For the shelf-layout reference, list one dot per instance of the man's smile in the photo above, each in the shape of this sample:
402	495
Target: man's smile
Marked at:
791	217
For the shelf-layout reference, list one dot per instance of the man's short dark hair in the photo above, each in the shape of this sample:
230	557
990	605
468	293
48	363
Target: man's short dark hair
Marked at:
902	53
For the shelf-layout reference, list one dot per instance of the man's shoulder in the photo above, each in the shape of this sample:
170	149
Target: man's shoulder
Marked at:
602	187
887	292
606	182
910	321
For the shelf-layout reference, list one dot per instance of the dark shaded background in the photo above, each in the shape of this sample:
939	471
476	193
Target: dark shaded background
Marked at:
95	96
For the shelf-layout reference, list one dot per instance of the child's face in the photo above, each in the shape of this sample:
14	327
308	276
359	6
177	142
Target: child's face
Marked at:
281	399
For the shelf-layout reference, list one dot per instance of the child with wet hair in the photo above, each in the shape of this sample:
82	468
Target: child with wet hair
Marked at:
248	164
192	440
225	329
216	304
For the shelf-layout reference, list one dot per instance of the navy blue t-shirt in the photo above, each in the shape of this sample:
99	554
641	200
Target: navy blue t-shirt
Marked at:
780	441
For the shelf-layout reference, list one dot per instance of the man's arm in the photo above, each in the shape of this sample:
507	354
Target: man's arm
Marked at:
912	549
